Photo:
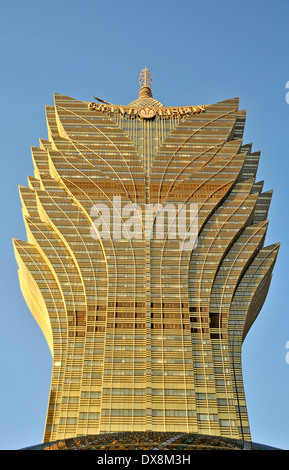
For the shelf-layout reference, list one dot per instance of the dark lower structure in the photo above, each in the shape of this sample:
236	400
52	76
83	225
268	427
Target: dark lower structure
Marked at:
163	441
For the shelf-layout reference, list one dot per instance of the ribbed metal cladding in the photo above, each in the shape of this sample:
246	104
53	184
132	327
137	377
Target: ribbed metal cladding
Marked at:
144	336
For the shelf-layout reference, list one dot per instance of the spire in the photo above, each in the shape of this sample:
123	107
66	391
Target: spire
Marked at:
145	81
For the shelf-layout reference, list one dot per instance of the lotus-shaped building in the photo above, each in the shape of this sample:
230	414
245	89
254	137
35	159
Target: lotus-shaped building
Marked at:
145	265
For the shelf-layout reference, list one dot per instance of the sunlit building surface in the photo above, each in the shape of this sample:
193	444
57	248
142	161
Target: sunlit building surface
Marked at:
145	326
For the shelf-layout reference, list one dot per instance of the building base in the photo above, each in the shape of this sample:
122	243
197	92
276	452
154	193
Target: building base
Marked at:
152	441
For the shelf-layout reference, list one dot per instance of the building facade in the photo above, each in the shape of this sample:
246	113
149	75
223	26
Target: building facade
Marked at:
145	264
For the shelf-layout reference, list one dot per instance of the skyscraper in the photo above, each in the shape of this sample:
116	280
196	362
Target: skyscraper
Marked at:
145	264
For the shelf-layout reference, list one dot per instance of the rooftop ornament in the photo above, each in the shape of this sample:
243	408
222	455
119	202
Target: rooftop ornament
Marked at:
145	81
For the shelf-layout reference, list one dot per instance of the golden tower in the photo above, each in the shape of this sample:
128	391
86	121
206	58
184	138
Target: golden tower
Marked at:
145	335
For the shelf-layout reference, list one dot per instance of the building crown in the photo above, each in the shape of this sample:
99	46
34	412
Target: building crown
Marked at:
145	81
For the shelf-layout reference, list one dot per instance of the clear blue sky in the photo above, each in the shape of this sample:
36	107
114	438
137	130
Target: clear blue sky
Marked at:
198	53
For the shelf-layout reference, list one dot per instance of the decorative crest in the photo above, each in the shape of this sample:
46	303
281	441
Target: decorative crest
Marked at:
145	81
145	78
